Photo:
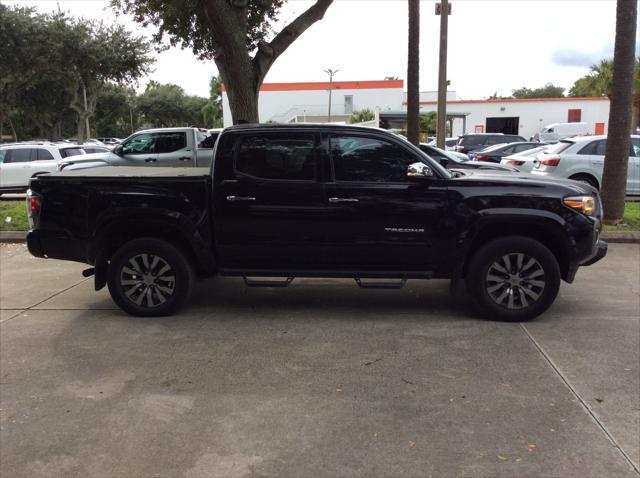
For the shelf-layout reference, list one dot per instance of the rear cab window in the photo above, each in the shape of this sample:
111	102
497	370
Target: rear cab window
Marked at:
276	156
18	155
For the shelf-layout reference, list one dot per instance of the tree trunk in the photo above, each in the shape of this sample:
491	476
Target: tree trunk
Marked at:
81	130
13	130
413	74
243	91
614	177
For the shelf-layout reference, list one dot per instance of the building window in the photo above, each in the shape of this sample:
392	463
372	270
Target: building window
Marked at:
575	116
348	104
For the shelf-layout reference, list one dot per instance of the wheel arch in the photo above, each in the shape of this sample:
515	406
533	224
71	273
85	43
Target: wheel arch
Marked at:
544	227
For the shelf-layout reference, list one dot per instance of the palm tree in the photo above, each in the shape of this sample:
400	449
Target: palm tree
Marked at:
614	177
413	74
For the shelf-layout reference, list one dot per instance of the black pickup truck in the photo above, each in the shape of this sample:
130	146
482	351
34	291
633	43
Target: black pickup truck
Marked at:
281	202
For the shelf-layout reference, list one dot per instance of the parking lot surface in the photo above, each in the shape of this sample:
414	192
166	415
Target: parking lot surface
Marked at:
319	379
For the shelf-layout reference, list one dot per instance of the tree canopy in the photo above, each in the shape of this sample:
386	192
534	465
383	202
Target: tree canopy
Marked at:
237	34
547	91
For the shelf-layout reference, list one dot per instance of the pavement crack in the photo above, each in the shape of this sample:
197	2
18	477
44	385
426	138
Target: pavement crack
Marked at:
584	404
44	300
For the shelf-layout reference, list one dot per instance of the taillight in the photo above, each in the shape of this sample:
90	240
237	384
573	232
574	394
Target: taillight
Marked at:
513	162
34	205
550	161
482	157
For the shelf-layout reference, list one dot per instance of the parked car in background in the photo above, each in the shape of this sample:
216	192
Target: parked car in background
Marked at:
110	141
175	147
473	141
94	148
554	132
449	143
582	159
455	160
494	154
19	162
524	160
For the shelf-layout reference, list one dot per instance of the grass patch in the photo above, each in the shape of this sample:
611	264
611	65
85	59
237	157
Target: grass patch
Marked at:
630	220
13	216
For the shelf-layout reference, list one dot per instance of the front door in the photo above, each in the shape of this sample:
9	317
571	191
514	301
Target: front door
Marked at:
139	150
269	204
380	219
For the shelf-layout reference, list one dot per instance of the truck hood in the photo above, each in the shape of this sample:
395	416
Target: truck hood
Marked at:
502	179
85	161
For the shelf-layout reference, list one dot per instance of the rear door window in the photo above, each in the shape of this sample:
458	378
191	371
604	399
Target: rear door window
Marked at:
594	148
169	142
288	157
22	155
65	153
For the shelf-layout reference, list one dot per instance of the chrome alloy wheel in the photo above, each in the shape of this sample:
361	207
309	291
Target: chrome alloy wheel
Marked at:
515	281
148	280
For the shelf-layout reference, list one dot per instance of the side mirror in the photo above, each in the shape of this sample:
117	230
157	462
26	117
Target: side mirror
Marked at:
419	170
118	150
444	162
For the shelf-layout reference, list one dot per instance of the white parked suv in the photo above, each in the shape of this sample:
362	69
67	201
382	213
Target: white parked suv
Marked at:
582	159
19	162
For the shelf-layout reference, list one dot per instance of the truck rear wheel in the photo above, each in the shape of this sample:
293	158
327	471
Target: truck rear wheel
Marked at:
513	278
149	277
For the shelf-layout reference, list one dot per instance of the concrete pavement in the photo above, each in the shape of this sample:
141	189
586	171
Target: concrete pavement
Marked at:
320	379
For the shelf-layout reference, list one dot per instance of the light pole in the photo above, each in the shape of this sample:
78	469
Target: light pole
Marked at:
330	72
444	10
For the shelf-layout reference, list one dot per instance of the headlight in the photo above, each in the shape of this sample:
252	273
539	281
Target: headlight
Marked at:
584	204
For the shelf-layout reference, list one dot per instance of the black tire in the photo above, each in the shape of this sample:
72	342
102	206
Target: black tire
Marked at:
585	178
149	278
531	285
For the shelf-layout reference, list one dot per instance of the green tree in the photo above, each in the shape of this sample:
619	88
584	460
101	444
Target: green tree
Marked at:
598	82
616	159
212	110
547	91
115	111
238	35
362	115
429	122
167	105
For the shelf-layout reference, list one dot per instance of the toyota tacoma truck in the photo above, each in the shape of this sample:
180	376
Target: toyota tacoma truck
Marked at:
281	202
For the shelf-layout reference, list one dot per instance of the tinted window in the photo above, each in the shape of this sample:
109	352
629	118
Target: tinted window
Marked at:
496	139
207	142
558	147
169	142
18	156
92	149
472	140
364	159
289	157
65	153
3	153
523	147
594	148
512	139
44	155
141	144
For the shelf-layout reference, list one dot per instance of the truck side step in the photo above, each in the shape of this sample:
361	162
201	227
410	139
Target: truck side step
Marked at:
268	282
380	284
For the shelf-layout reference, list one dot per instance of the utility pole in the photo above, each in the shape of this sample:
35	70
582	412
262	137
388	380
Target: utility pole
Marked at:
413	74
330	72
444	10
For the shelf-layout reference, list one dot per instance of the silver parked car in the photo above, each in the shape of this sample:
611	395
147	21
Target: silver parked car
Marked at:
582	159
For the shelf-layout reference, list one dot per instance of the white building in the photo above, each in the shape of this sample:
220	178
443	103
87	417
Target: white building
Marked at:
522	116
299	102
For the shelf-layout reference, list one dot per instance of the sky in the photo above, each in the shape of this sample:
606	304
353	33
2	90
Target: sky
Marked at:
494	45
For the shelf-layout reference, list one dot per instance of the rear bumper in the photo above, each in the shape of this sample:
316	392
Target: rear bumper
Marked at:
600	250
34	244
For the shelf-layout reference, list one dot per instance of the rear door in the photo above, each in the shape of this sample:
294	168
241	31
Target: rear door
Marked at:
174	148
378	217
15	170
633	177
42	162
269	208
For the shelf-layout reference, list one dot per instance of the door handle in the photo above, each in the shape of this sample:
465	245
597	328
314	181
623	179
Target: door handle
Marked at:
240	198
150	160
184	158
334	200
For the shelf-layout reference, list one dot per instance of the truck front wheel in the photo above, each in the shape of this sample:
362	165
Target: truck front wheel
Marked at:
149	277
513	278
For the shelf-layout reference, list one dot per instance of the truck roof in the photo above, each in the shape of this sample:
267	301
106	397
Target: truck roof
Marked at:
288	126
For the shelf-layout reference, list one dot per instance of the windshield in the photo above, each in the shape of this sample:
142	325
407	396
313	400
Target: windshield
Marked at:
444	172
531	152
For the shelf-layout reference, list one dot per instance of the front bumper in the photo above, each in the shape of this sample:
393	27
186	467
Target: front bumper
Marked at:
600	250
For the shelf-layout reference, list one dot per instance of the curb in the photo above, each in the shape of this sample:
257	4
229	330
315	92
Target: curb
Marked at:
610	237
13	236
